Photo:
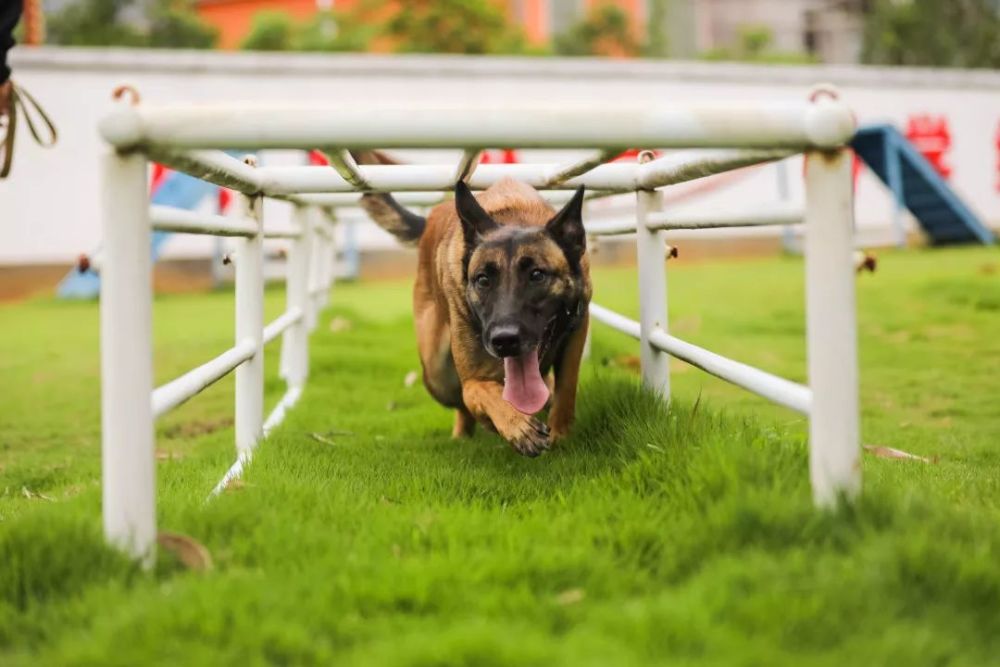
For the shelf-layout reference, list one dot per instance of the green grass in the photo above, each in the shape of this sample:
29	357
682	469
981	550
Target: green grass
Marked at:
676	537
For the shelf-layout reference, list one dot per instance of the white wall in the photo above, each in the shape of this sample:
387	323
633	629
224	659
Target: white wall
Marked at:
49	207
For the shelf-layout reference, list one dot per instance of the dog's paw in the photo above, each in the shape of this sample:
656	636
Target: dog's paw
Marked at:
529	436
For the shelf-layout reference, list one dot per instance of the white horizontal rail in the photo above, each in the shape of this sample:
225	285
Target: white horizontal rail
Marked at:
775	215
615	321
168	396
796	124
684	166
170	219
615	177
215	167
776	389
343	163
278	326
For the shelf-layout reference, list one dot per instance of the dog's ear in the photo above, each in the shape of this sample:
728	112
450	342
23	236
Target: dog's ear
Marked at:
566	228
476	223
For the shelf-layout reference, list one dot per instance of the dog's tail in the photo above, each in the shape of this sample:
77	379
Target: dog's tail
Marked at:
386	211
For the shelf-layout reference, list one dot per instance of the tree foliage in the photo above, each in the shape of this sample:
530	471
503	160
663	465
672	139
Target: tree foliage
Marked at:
161	23
451	26
605	30
939	33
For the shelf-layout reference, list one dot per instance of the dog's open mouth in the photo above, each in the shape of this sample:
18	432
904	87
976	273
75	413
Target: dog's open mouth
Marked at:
523	386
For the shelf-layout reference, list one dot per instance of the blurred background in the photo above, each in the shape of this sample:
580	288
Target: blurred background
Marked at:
923	68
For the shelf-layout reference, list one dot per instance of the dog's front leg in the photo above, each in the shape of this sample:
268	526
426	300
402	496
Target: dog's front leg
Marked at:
567	372
484	399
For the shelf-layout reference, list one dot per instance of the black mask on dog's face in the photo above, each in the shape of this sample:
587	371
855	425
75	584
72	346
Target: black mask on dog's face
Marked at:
523	283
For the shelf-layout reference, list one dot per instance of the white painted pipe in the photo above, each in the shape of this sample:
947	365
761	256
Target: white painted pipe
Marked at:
831	329
684	166
652	267
295	342
615	321
215	167
764	216
172	394
249	326
170	219
128	461
281	323
791	124
764	384
773	388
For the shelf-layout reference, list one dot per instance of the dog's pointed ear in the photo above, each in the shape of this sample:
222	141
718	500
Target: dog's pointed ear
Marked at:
566	228
476	223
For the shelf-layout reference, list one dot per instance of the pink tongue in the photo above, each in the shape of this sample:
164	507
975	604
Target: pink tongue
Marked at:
523	386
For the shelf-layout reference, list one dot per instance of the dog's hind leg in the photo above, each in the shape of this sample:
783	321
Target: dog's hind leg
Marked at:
465	424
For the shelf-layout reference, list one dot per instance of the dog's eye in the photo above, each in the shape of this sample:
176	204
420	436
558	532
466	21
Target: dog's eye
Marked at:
537	276
482	281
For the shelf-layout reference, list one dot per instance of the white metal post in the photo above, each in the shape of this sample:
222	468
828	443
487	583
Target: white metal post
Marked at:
831	329
295	344
651	253
250	326
128	460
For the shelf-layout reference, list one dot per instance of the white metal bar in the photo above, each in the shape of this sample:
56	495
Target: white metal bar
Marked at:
215	167
831	328
468	164
574	169
278	233
343	163
686	166
172	394
277	415
170	219
651	253
792	124
280	324
249	326
127	440
295	343
774	215
281	181
353	199
610	227
776	389
615	321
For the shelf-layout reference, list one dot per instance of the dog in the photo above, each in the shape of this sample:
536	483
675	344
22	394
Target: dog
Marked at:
501	299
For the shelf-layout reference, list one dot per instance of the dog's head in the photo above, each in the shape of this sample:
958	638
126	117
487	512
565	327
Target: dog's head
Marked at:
524	283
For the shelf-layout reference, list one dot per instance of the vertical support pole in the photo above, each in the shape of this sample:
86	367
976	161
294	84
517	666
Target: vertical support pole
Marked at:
894	176
128	463
250	326
784	194
651	253
295	342
831	328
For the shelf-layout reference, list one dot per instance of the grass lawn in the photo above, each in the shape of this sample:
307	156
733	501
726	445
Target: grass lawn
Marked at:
680	536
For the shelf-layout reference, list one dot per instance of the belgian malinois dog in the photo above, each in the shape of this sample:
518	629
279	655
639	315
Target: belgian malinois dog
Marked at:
501	299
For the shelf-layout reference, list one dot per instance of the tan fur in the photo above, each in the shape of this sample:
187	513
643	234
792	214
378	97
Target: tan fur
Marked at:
448	344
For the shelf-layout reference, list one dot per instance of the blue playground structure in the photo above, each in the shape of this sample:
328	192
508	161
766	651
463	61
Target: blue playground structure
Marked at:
176	189
916	185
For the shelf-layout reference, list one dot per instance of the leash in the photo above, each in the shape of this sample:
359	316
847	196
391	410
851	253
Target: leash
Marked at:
34	116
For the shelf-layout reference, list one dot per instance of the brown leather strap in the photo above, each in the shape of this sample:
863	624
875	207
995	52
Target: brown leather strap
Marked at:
36	119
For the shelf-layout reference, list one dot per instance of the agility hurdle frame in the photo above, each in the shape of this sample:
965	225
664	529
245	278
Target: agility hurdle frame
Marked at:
716	138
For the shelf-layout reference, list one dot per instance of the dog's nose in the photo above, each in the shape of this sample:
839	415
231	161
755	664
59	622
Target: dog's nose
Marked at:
506	340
